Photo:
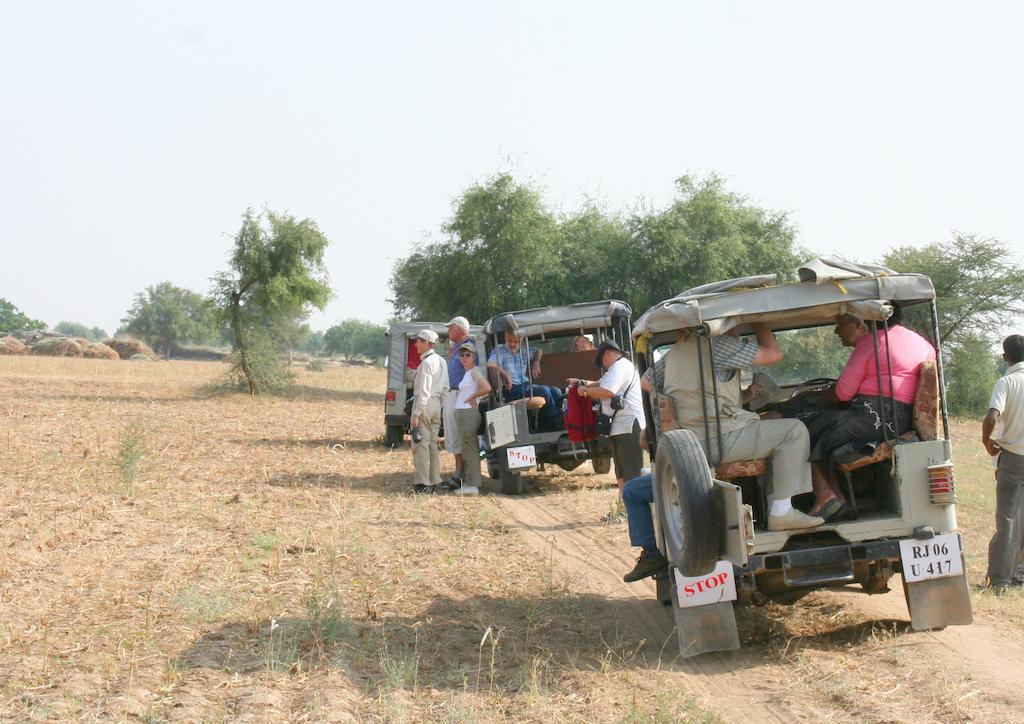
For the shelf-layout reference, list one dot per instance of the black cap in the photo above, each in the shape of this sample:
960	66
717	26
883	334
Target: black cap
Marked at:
604	347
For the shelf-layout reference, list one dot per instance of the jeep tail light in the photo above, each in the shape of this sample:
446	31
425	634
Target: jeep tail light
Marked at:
941	485
390	397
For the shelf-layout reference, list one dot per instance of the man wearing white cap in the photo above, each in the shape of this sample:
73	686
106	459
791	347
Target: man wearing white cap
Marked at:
429	389
458	332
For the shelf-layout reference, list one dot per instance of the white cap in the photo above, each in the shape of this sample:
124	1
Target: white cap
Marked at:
460	322
427	335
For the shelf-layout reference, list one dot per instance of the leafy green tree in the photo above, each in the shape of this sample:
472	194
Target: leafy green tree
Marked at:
505	250
978	288
165	315
501	253
13	320
76	329
276	271
977	285
314	343
356	338
706	234
970	374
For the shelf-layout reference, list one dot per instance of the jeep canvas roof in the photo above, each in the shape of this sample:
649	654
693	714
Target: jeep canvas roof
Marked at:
827	288
553	320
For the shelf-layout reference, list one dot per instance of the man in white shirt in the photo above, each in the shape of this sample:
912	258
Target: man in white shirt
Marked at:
620	380
429	389
1006	411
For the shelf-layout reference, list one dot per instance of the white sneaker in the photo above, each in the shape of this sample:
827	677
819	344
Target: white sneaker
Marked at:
466	490
793	520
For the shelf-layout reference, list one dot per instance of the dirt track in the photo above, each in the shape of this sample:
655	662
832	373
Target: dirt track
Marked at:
986	661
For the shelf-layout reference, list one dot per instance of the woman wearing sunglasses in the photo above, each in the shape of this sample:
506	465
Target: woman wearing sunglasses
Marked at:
472	389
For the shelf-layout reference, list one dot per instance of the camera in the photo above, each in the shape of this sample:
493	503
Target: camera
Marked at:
416	434
616	402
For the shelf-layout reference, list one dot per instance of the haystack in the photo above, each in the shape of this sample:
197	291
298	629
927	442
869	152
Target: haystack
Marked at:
98	350
11	345
127	347
58	347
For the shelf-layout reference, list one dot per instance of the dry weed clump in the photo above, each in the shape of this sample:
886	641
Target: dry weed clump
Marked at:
98	350
12	346
60	347
127	347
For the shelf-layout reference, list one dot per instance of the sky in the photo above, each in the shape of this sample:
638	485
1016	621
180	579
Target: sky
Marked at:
133	136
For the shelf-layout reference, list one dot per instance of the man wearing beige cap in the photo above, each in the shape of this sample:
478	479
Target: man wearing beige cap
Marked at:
429	389
458	332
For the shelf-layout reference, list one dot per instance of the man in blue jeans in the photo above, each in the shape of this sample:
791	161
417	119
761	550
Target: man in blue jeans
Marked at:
638	494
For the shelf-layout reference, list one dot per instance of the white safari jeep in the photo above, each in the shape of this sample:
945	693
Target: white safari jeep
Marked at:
710	518
402	363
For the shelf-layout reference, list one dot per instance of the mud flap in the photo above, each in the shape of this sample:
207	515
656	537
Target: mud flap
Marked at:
702	629
938	603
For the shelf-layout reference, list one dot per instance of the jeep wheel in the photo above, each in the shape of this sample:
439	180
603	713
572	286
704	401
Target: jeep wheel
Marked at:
393	435
602	465
684	492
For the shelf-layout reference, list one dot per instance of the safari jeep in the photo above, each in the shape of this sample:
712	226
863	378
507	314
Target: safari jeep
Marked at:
402	364
710	518
514	439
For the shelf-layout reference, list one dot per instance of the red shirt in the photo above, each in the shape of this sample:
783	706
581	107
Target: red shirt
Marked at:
908	350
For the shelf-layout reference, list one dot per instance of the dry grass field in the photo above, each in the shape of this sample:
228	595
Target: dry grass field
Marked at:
169	553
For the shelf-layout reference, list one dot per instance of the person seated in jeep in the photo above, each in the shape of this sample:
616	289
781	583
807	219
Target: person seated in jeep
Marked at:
510	361
744	435
859	420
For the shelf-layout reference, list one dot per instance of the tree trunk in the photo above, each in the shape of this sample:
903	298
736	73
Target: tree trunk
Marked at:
236	329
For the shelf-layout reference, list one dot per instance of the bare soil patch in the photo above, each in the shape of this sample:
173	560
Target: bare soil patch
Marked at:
171	555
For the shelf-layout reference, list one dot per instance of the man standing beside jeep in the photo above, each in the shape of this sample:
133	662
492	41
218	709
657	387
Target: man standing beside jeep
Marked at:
619	393
428	390
1006	409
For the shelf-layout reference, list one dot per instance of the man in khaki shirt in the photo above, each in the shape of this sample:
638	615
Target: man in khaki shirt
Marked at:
429	388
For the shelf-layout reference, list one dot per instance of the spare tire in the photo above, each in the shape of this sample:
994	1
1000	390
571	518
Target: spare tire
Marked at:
685	495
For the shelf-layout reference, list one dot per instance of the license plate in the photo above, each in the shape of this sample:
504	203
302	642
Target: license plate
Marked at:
715	587
521	457
937	557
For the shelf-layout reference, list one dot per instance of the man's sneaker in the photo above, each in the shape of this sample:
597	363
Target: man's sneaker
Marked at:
466	490
451	484
793	520
646	566
421	489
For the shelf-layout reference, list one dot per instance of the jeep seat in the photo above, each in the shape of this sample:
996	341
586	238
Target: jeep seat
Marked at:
926	427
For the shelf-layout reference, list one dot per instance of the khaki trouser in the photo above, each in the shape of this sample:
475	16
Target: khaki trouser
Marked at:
468	422
786	442
1004	549
425	457
452	441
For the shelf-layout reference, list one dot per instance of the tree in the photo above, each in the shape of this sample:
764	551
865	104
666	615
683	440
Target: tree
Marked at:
356	338
12	319
970	375
500	254
76	329
314	343
506	251
276	271
977	286
706	234
165	315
